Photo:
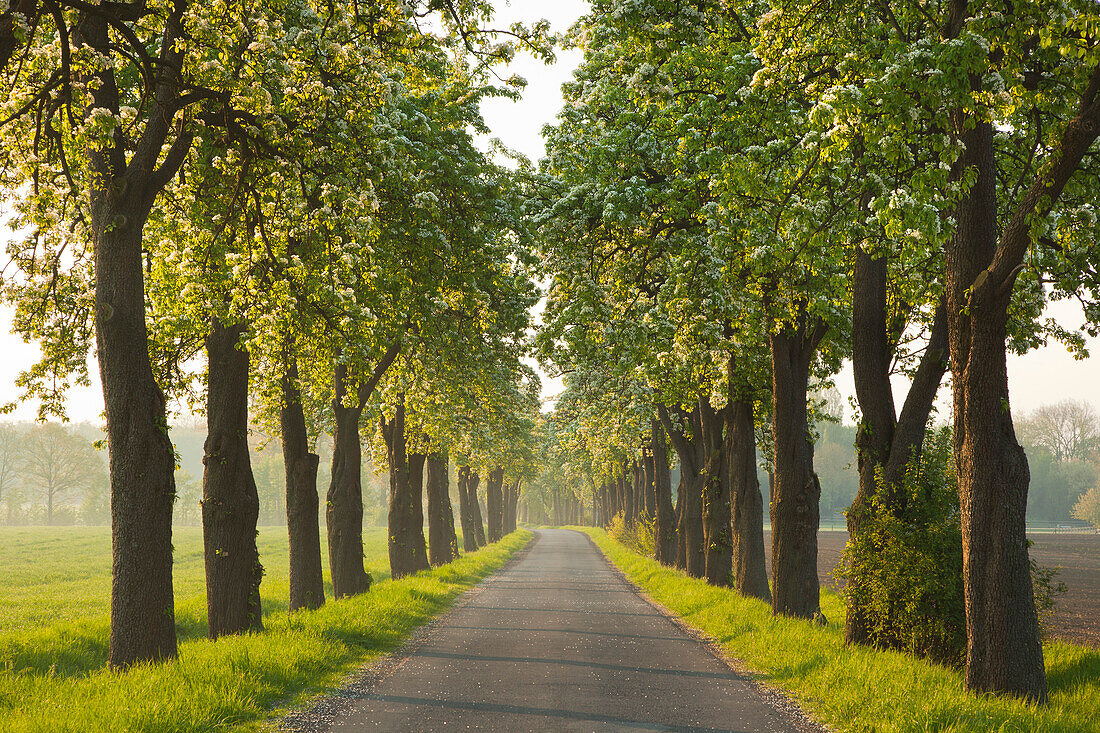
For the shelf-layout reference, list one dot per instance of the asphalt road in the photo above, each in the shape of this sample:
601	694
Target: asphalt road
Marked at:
557	641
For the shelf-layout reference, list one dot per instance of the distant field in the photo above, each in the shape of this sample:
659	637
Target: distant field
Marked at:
56	574
1077	616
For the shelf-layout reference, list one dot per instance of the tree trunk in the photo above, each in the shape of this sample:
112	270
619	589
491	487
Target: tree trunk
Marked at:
230	504
142	459
511	502
467	508
750	574
664	516
406	515
442	541
884	445
690	490
717	512
1004	652
796	492
344	504
307	587
475	505
494	504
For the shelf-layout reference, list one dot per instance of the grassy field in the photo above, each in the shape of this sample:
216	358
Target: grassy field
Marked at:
860	689
54	601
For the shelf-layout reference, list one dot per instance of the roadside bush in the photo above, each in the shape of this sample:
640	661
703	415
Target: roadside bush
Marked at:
906	563
905	566
641	537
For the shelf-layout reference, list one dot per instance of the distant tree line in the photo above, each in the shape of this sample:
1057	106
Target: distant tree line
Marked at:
52	474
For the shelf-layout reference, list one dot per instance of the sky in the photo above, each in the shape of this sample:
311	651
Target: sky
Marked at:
1043	376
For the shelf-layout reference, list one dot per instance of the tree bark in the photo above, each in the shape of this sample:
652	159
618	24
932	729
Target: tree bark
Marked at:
664	516
717	510
1004	651
494	504
406	516
796	492
442	540
344	504
689	450
121	193
473	532
230	504
511	501
750	574
307	588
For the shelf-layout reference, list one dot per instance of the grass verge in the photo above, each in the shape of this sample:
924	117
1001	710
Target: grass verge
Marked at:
860	689
235	682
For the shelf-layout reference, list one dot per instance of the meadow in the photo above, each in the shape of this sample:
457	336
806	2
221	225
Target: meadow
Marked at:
54	624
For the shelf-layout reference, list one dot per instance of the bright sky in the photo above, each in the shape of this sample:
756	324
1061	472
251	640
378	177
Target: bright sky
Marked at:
1043	376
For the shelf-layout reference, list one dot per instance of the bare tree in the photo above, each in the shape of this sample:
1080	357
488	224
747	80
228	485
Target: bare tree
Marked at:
1068	430
10	451
56	461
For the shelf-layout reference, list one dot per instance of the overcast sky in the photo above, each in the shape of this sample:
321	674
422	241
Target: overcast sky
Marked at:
1043	376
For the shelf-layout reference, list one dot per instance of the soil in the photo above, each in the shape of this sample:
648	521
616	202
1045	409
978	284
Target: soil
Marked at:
1077	613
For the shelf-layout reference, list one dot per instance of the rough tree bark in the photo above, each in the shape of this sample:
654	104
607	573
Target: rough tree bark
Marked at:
689	450
307	588
406	515
717	511
230	504
796	492
122	187
750	574
494	503
664	515
344	503
442	540
469	511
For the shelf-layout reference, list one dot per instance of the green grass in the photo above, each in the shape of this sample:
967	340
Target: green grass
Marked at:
861	689
54	600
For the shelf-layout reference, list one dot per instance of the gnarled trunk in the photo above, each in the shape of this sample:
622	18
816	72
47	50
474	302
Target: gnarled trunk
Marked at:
307	587
344	503
442	540
494	503
406	516
230	504
796	492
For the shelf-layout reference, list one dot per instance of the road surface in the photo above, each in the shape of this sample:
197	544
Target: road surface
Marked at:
558	641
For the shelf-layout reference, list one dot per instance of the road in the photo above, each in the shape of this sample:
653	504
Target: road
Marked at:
558	641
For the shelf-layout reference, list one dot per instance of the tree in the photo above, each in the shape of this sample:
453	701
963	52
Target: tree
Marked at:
11	451
55	462
1087	508
1068	430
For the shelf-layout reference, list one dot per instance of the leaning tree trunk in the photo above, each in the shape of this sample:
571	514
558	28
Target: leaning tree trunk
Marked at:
494	501
796	492
469	510
344	506
406	517
230	504
307	587
690	491
717	512
442	540
750	574
664	516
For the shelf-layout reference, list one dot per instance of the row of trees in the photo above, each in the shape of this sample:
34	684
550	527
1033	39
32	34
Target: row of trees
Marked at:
739	195
289	191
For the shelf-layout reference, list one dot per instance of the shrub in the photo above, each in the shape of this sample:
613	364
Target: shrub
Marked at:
904	567
1087	508
639	536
